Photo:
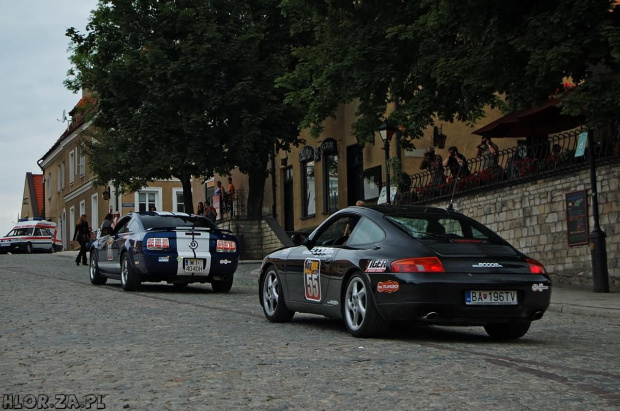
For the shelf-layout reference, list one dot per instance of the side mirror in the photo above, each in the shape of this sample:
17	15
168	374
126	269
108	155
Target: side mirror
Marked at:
299	238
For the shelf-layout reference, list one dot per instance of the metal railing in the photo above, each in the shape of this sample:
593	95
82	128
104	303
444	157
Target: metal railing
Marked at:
235	207
516	165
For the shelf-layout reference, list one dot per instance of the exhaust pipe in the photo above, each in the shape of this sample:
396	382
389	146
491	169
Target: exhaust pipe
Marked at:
538	315
430	316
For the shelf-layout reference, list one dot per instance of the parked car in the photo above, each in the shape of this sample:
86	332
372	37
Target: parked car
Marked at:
154	246
374	265
31	234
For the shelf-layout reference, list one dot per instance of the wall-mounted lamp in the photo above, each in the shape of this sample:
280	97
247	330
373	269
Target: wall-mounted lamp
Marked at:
106	193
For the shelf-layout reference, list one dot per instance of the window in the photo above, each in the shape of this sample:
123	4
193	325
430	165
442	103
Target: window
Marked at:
94	212
71	167
336	231
58	180
330	182
82	162
62	175
71	222
82	207
308	189
147	200
178	199
49	186
372	183
366	232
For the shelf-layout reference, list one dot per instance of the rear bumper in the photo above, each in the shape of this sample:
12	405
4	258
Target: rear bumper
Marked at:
151	269
440	298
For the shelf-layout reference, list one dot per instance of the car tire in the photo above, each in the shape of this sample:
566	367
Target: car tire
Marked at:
28	248
272	298
222	286
507	331
52	249
359	312
130	280
95	275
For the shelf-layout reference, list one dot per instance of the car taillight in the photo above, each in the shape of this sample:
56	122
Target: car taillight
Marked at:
418	265
157	244
536	267
226	246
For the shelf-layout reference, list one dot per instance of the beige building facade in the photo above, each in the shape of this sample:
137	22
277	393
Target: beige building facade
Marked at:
69	190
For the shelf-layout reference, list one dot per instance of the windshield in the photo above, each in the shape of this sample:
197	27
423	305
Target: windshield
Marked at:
18	232
174	221
434	227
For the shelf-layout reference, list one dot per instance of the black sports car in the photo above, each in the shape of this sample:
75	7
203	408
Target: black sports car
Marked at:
160	246
372	265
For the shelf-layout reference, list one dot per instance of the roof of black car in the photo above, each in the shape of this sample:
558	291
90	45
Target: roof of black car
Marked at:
387	209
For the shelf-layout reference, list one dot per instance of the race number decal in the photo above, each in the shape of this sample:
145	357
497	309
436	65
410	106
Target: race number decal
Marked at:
109	253
312	279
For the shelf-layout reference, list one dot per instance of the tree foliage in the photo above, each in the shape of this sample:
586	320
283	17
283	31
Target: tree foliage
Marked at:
185	88
447	59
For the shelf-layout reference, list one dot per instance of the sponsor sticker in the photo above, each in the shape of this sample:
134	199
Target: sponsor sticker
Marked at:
539	287
388	286
164	259
225	261
322	251
376	266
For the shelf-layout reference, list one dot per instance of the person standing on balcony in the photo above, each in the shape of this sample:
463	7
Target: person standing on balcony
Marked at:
489	151
456	163
434	164
230	195
220	195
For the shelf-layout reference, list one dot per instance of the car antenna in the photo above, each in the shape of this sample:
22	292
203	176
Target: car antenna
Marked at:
456	180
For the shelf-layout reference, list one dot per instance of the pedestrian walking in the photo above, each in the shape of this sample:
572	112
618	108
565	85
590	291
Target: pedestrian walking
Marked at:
82	236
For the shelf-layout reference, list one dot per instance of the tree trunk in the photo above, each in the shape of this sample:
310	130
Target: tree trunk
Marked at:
256	193
188	199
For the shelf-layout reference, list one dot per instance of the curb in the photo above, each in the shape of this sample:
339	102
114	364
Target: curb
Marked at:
586	310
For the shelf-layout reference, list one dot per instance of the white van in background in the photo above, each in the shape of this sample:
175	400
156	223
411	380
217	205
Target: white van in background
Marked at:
31	234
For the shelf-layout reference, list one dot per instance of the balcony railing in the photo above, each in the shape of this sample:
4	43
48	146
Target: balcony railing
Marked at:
544	157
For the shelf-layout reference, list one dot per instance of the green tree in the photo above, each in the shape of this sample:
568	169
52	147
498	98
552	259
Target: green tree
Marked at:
447	59
185	88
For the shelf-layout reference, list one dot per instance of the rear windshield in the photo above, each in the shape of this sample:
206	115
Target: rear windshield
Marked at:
434	226
174	221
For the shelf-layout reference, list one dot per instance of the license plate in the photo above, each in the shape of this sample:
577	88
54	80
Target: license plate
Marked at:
194	265
491	297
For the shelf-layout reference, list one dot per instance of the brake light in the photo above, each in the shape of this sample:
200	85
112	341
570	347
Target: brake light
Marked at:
226	246
418	265
536	267
157	244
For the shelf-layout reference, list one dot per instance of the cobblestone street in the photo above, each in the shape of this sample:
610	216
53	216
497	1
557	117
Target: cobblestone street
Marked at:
165	348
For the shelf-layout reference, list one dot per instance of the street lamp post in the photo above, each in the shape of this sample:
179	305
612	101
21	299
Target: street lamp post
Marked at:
386	131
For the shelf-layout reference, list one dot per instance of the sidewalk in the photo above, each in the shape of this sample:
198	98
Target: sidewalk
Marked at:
584	301
571	300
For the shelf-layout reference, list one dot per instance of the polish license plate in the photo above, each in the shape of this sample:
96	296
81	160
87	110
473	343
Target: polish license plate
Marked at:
194	265
473	297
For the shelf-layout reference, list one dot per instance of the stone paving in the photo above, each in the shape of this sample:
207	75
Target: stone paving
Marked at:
169	349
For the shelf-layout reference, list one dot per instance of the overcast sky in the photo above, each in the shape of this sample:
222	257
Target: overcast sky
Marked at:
34	63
